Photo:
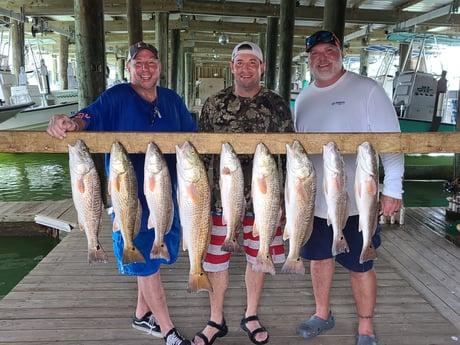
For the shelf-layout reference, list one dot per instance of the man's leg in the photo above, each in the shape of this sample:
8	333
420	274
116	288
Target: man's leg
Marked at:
364	287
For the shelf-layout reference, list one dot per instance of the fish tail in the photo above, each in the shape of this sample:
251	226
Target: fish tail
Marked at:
230	245
159	251
294	266
340	246
97	254
131	254
264	264
199	282
368	253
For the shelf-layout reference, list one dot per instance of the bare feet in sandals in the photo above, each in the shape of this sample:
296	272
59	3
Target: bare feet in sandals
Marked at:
209	334
256	332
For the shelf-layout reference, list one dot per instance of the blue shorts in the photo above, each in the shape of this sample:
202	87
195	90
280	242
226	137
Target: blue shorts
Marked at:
144	242
319	246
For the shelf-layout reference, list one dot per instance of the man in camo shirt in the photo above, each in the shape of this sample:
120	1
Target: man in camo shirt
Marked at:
244	107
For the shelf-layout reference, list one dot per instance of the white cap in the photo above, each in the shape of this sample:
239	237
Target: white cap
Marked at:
247	47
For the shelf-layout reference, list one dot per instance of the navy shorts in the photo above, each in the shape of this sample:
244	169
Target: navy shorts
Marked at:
319	246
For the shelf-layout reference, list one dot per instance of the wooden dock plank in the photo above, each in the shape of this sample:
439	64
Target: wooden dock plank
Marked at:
65	301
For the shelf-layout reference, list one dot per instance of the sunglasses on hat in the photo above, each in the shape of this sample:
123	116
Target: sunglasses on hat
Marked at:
321	37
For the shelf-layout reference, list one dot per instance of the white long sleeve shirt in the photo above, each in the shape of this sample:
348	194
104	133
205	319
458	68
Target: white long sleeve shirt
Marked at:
352	104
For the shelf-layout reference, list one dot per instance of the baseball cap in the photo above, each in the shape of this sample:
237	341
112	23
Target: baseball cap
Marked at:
247	47
321	36
137	47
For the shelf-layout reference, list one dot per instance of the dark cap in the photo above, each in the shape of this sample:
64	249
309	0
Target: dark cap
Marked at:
322	36
137	47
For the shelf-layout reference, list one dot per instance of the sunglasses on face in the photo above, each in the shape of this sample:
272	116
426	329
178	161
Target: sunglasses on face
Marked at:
321	37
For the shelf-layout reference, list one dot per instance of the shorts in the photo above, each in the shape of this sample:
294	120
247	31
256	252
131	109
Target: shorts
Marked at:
217	260
144	242
319	246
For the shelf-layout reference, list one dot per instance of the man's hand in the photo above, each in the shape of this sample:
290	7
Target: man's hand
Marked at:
59	125
389	206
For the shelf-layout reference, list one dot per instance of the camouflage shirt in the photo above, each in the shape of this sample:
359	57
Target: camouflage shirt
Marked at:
226	112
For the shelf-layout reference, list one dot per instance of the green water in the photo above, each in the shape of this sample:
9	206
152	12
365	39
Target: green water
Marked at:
34	177
18	256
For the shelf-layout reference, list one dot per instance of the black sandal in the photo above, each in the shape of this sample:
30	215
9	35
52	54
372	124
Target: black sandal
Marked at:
252	335
223	330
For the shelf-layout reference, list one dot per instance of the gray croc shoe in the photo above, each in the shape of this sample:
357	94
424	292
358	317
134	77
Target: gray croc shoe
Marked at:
314	326
365	340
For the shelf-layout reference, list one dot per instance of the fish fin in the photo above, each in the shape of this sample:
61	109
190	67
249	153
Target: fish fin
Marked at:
286	233
97	254
340	246
255	230
115	225
199	282
264	264
131	255
159	251
150	183
368	253
150	223
293	266
372	187
193	193
302	192
230	245
116	183
137	223
170	221
80	184
262	185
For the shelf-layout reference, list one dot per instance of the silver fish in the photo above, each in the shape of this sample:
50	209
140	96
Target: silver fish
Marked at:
367	194
86	195
231	182
127	208
158	193
335	192
194	199
266	198
299	194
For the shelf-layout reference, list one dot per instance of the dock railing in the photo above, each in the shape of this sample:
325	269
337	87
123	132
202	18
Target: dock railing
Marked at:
243	143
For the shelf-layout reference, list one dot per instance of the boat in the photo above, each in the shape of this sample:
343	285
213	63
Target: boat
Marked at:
37	118
421	98
8	111
34	109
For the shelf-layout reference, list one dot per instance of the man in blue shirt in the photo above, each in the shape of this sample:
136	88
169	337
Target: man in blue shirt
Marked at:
140	105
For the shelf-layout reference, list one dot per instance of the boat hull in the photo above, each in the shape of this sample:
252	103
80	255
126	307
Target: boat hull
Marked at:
37	118
9	111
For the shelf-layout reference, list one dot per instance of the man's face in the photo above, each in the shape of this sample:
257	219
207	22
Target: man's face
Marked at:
325	62
247	70
144	70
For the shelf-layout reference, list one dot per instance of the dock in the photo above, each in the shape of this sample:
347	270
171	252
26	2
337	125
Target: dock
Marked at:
65	301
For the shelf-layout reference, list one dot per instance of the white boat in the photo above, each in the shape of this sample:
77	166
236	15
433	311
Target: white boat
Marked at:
37	118
8	111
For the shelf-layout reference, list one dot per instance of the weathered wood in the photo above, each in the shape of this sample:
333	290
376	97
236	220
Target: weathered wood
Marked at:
65	301
244	143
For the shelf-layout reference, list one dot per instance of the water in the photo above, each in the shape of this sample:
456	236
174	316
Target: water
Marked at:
29	177
18	256
34	177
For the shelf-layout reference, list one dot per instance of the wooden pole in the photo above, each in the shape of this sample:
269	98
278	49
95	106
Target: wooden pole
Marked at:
244	143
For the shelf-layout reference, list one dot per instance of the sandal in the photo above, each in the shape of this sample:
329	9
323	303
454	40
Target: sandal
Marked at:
222	332
365	340
252	335
314	326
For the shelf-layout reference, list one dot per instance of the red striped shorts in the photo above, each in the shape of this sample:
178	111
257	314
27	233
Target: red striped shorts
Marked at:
218	260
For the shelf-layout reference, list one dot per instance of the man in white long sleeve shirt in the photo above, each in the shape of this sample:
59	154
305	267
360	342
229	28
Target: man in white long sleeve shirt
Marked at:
342	101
